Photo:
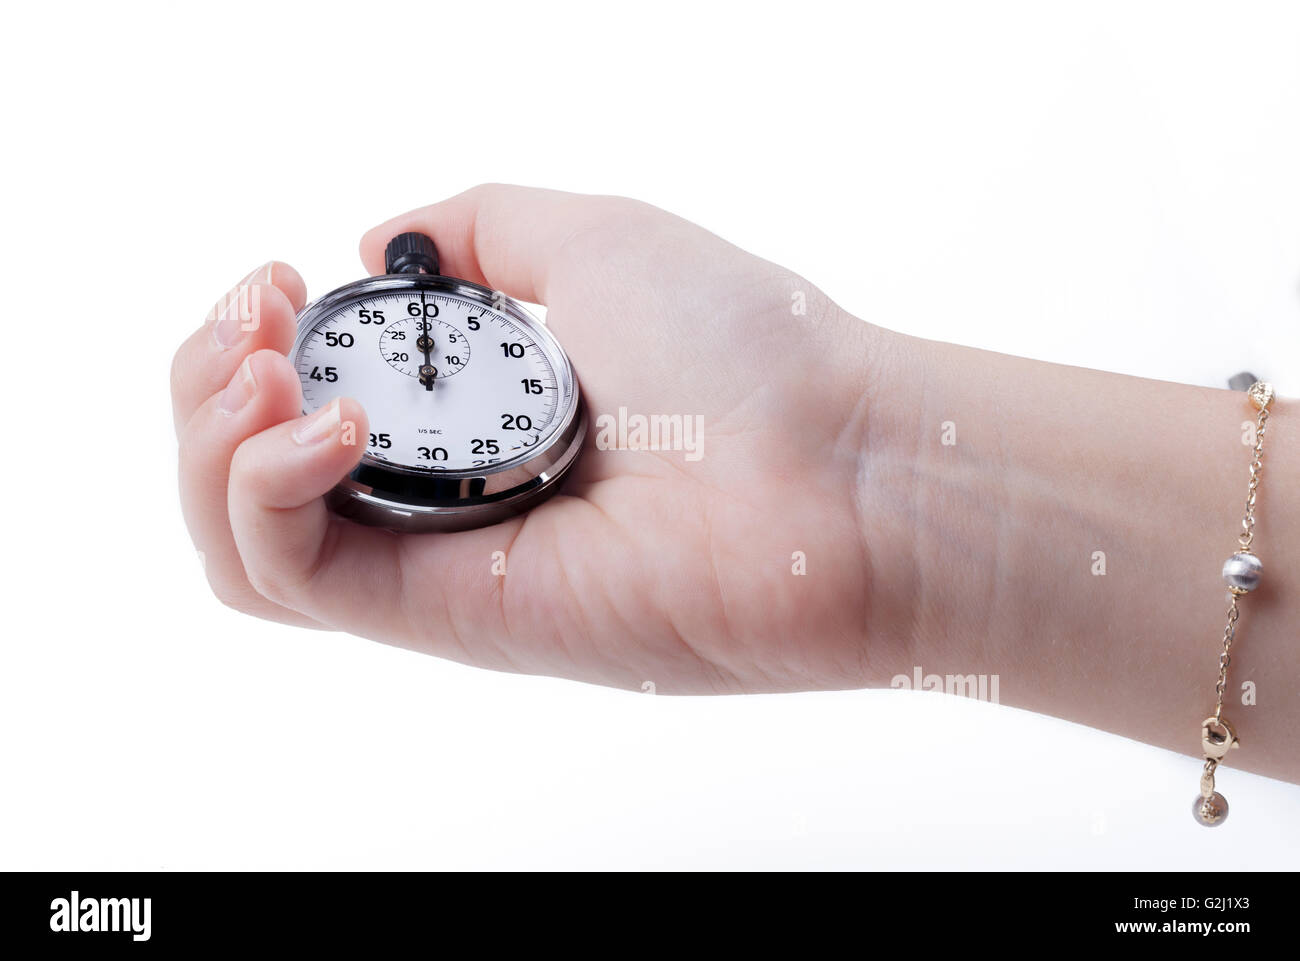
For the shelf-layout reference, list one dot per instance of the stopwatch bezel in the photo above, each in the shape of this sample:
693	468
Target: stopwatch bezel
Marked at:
501	476
466	509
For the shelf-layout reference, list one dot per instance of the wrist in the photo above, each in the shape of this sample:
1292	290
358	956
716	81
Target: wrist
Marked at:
1053	526
877	406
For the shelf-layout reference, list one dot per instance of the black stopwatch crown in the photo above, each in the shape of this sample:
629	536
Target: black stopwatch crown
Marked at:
411	253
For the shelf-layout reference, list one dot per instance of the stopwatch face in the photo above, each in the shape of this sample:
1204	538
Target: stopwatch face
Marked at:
467	394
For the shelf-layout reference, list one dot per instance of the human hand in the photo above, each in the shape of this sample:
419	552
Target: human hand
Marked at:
649	566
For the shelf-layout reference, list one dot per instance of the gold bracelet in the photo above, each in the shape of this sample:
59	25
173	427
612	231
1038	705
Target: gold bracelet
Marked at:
1242	573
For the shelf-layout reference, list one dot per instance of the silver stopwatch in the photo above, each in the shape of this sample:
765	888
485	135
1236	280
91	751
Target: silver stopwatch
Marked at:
475	413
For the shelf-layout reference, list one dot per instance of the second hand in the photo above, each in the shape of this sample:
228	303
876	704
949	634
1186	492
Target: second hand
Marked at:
428	373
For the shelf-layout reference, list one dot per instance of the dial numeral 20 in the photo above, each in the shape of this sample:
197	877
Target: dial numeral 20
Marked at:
516	422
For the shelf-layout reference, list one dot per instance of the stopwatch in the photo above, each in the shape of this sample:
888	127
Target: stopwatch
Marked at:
475	412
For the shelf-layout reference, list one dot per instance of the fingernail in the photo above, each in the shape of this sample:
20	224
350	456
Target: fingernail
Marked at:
237	317
260	275
320	425
240	390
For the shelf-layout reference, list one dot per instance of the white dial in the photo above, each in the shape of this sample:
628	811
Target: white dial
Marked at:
451	380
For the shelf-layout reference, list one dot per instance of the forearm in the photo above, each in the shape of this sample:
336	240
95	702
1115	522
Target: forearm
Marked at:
994	488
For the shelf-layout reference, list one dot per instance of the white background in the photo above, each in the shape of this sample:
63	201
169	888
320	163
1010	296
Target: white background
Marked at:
1110	185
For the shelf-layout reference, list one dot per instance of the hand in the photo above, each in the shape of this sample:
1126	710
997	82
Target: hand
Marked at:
649	566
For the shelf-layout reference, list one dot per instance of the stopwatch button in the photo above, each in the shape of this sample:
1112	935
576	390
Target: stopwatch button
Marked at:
411	253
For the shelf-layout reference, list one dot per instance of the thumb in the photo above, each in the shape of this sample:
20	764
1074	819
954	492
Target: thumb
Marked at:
504	237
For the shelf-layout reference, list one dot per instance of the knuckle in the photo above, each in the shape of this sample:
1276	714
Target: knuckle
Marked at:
285	585
620	219
484	192
270	585
618	208
177	376
242	466
230	595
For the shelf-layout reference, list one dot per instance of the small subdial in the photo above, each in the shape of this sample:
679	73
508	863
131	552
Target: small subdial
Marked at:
413	345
